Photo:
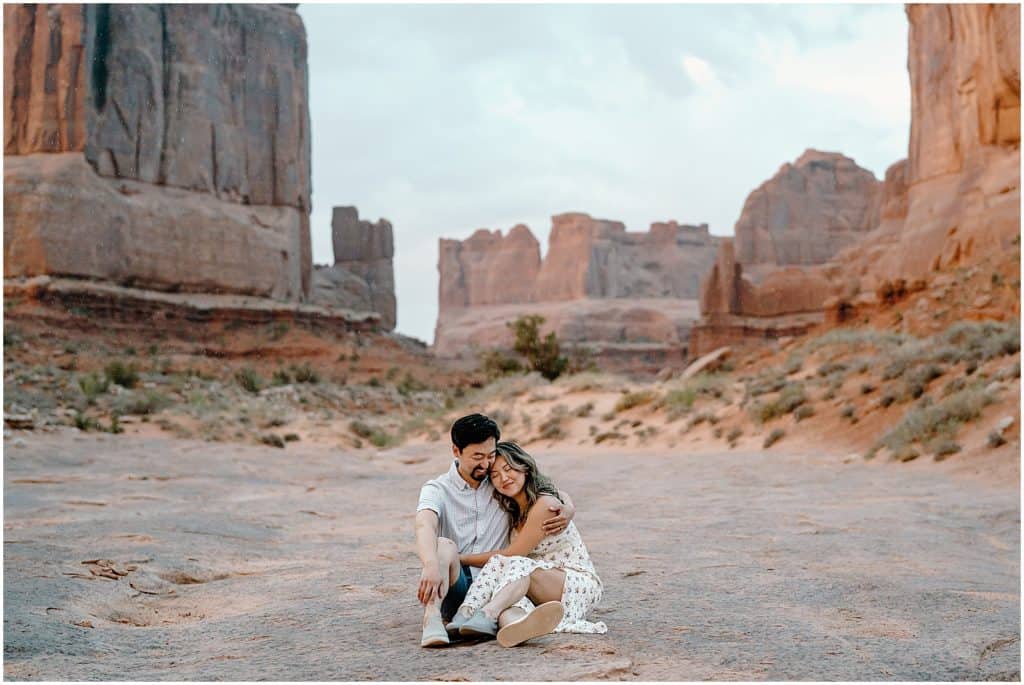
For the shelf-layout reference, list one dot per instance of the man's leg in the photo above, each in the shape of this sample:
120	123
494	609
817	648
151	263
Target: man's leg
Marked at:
434	633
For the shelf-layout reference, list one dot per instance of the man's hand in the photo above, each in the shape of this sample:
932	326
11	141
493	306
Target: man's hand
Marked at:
430	585
560	521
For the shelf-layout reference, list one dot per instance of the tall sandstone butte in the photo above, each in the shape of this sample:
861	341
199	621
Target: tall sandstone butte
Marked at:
363	275
598	284
955	199
162	146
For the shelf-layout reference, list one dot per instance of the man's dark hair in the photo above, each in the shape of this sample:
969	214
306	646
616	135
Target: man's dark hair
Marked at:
474	429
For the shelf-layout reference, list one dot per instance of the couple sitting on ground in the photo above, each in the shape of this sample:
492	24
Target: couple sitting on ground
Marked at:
501	556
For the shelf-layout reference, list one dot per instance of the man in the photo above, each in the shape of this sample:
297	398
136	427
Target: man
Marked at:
457	514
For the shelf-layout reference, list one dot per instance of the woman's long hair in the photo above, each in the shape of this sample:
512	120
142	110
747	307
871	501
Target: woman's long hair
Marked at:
537	484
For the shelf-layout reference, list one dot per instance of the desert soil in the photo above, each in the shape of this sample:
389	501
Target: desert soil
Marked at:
240	562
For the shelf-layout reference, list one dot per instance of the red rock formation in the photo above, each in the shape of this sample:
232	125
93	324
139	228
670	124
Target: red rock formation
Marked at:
210	99
807	212
363	276
488	268
954	200
598	284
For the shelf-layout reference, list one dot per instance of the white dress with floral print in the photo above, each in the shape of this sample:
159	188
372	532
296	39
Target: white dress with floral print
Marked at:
566	551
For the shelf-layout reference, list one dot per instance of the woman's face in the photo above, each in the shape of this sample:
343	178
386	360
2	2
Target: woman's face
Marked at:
506	479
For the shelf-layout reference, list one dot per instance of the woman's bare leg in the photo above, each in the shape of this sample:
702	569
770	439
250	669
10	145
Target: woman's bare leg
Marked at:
506	597
546	585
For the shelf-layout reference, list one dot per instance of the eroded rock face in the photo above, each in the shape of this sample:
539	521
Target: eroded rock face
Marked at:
362	276
648	283
953	201
807	212
210	99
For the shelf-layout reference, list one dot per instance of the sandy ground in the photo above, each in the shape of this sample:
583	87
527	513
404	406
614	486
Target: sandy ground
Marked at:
244	562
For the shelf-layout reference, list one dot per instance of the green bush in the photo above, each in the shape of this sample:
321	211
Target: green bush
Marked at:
93	386
773	437
792	396
943	419
149	402
304	373
121	374
281	377
249	380
544	355
377	437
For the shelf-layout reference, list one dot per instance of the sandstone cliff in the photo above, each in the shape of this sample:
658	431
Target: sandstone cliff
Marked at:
807	212
189	126
362	277
953	201
598	284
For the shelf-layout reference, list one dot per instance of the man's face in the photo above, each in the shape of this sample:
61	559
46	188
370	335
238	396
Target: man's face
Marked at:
475	460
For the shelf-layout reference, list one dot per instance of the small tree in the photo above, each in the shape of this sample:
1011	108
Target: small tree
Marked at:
545	356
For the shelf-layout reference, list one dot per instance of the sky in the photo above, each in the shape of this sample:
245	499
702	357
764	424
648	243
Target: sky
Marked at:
447	118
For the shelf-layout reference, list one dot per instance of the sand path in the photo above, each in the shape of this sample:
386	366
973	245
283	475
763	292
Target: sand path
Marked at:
249	563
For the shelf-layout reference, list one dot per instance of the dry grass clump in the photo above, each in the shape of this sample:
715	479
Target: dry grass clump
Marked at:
121	374
791	396
93	386
608	435
854	338
148	403
551	428
763	385
701	418
924	424
804	411
584	410
773	437
511	386
733	436
376	436
943	448
635	399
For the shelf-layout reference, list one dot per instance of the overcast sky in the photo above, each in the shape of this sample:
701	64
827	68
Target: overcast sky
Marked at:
448	118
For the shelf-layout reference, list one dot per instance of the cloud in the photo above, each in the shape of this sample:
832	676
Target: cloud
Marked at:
449	118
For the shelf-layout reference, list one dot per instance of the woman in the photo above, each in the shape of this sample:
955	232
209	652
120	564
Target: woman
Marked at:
556	570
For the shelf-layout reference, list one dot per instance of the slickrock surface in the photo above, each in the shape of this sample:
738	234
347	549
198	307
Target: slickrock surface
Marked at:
160	559
807	212
363	275
198	105
598	284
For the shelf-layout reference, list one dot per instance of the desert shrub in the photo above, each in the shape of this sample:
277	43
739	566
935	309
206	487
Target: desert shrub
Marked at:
291	437
635	399
887	398
855	338
791	397
271	439
500	416
766	384
793	364
717	432
544	355
925	423
804	411
734	434
996	439
376	436
86	423
121	374
93	386
280	377
830	368
150	402
983	340
896	368
867	388
584	410
679	401
249	380
906	453
942	448
955	385
1009	372
496	363
305	373
773	437
609	435
551	429
848	412
410	384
